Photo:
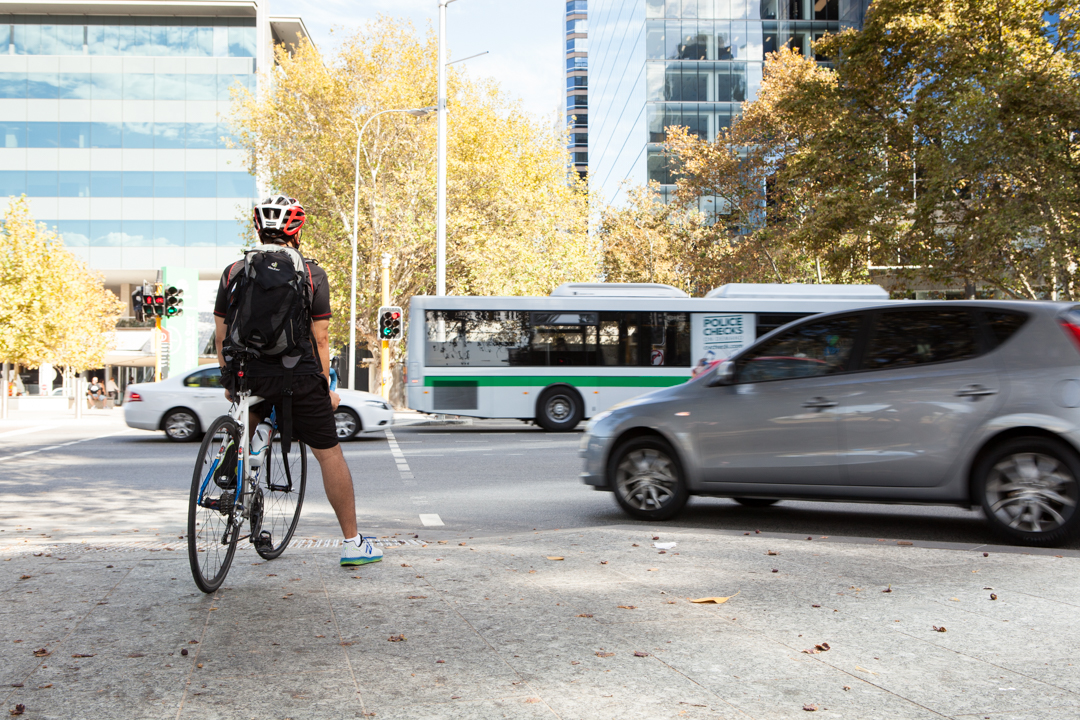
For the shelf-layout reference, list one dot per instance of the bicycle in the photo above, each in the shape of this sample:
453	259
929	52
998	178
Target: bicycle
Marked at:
267	501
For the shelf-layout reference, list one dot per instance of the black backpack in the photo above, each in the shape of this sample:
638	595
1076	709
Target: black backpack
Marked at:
269	307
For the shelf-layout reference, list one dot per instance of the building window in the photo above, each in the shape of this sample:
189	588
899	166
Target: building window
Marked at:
578	26
574	45
101	35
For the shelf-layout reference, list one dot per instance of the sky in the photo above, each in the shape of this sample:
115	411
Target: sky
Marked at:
525	39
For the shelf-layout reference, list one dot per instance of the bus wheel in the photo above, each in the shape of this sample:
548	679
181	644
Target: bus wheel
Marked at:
559	409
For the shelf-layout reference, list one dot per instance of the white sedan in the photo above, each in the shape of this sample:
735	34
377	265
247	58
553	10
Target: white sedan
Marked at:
183	405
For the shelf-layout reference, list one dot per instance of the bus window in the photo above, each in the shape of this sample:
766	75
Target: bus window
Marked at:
642	339
767	322
474	338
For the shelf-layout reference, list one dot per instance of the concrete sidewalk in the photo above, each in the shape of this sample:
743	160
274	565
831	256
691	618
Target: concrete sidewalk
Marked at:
501	627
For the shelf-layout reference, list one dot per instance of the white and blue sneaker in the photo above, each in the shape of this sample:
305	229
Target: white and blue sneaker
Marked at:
360	554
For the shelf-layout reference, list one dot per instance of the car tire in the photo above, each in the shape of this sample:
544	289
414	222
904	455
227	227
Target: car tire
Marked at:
1029	489
756	502
347	423
559	409
181	425
647	479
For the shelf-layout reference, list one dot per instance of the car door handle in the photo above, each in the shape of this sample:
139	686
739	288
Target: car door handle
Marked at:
820	403
975	392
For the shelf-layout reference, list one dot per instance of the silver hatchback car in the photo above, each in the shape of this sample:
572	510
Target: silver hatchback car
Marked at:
957	403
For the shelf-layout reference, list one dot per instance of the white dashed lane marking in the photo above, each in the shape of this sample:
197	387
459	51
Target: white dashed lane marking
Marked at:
409	479
56	447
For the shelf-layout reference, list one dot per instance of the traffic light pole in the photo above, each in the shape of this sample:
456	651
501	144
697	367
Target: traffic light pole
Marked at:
157	349
385	349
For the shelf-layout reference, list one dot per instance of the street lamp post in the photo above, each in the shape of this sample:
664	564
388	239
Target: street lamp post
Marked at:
415	112
440	220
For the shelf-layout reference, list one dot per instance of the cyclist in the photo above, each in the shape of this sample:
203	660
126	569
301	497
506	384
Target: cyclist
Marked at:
279	221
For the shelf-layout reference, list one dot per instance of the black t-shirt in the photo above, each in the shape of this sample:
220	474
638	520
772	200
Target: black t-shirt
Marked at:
320	310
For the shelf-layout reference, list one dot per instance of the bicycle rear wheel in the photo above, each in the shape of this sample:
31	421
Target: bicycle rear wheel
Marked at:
283	496
212	532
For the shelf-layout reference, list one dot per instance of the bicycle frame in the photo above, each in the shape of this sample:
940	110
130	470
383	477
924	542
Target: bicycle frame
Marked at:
246	480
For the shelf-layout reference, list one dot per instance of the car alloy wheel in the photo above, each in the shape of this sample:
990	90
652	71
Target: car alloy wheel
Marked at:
346	423
1031	489
647	479
180	426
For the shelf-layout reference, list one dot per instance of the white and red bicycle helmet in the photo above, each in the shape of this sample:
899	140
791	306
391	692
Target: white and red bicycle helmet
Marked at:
280	214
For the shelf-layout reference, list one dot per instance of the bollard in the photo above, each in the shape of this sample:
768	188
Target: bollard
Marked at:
80	397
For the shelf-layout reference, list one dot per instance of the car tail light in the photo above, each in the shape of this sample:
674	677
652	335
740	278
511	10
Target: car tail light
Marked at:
1072	329
134	396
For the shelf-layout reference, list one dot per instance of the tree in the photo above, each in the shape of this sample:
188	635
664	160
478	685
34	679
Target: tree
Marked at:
517	218
944	145
52	307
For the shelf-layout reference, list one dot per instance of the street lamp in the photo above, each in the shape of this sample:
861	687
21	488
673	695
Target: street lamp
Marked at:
415	112
440	219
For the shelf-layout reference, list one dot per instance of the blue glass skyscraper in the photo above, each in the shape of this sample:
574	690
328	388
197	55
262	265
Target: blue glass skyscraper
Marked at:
657	63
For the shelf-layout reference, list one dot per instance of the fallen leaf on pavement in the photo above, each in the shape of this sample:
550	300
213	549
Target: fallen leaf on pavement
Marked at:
772	552
603	562
405	565
862	669
461	544
135	655
714	600
653	569
442	542
82	655
809	708
847	687
440	662
638	653
555	557
993	596
939	629
41	652
628	607
417	597
25	577
815	606
584	615
605	654
955	599
904	542
656	537
574	662
184	652
44	687
19	709
396	638
887	590
775	570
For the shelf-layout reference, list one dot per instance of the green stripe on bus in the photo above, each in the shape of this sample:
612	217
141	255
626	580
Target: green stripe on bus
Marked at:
542	380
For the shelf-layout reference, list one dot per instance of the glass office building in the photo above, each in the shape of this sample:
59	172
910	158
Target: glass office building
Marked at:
577	83
657	63
113	124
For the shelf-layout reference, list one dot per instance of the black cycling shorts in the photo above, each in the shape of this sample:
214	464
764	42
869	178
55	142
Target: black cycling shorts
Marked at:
312	413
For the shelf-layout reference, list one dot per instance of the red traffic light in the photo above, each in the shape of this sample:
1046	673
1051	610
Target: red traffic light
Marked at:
395	315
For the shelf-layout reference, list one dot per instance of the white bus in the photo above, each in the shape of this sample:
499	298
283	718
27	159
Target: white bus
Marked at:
557	360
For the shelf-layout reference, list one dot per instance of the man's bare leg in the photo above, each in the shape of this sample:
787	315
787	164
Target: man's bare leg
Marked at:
337	481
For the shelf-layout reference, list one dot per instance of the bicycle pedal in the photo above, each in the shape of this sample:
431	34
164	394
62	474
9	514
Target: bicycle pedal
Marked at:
264	540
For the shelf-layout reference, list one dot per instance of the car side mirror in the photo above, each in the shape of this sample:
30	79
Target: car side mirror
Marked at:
723	375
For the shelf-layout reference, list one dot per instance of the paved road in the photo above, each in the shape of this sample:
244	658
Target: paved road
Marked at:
488	477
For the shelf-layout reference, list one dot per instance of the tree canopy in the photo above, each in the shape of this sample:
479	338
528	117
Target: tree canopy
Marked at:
516	216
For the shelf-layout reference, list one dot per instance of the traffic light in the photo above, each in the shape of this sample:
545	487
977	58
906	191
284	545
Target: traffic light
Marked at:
148	301
390	323
137	304
174	302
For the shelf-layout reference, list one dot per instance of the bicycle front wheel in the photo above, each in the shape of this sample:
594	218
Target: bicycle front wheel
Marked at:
283	486
212	531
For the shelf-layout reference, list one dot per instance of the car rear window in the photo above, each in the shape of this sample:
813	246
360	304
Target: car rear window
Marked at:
916	337
1002	324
